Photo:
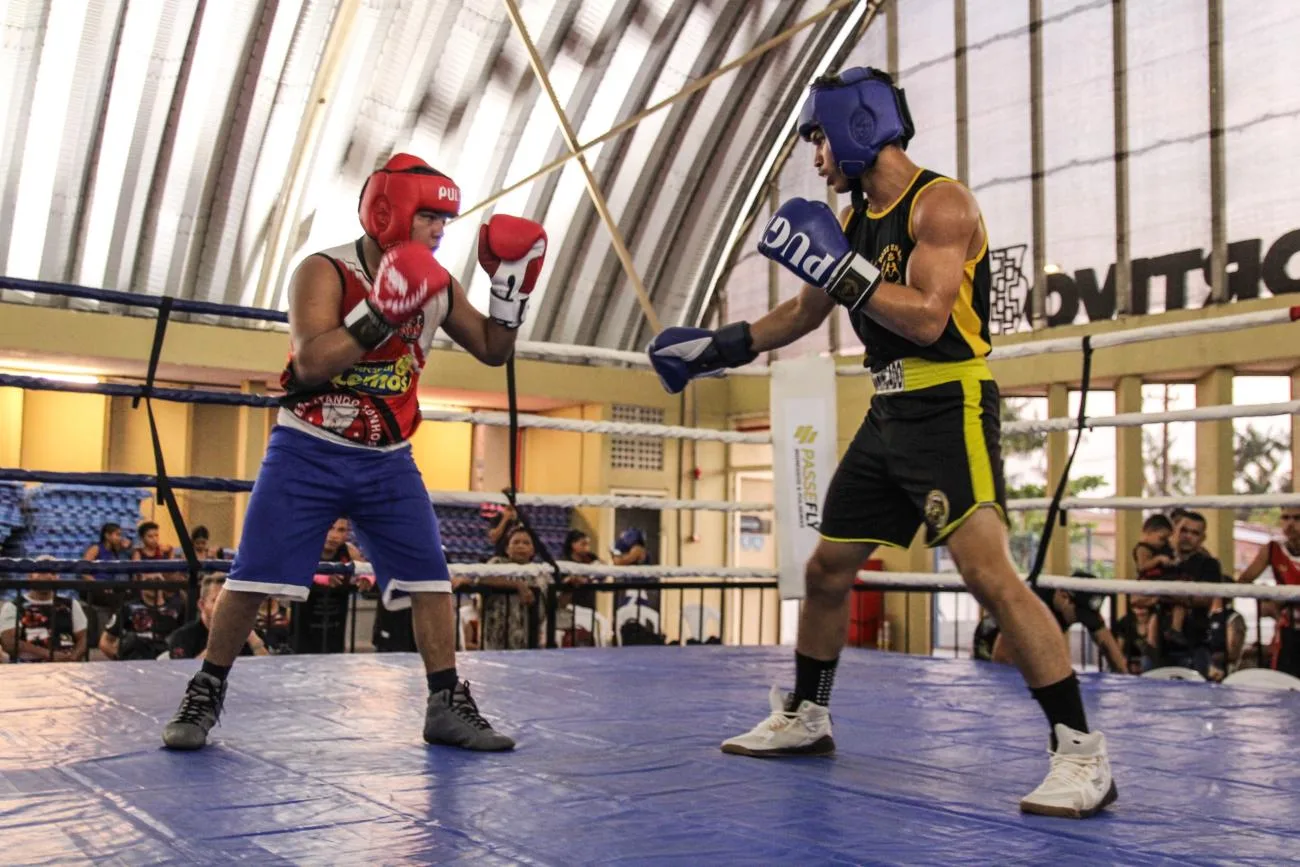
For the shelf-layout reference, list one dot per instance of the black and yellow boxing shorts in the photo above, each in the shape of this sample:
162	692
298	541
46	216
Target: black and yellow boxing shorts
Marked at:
928	452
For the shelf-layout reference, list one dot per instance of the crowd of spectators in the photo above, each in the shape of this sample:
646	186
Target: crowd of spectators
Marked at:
126	623
1204	634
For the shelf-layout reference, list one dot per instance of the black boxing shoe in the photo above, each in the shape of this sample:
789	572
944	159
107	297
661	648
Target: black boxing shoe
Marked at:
452	718
198	713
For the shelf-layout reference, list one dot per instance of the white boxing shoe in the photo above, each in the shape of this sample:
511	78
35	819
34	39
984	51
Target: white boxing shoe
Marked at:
804	731
1079	783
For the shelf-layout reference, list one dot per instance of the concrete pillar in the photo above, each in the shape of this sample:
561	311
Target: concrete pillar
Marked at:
1295	432
909	613
1214	464
1058	449
254	428
1129	474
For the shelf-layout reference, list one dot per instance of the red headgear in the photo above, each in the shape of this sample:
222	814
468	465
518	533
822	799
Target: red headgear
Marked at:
393	195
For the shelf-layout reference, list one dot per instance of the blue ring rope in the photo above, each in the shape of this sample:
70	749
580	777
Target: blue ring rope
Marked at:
121	389
135	299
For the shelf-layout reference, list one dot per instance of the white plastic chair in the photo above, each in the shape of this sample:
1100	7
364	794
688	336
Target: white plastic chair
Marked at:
582	617
1174	672
691	621
1263	678
631	612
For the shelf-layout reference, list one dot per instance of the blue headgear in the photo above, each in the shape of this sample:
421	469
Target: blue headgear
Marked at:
859	111
629	539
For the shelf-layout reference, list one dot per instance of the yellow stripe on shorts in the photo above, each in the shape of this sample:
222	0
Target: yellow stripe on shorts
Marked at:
977	450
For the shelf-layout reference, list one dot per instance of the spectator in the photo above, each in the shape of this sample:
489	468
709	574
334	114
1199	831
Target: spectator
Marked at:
1282	556
642	627
191	640
150	548
1185	635
504	520
274	625
201	541
104	603
51	629
1138	635
140	627
576	549
1227	641
505	622
1153	551
323	616
1070	607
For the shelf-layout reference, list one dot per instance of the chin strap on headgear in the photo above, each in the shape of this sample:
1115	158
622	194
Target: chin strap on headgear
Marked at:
859	111
394	194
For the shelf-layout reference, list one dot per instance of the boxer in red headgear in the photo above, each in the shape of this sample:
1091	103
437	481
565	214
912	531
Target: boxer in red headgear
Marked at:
362	318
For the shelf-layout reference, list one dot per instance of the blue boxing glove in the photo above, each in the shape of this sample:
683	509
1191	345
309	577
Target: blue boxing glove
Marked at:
682	354
807	239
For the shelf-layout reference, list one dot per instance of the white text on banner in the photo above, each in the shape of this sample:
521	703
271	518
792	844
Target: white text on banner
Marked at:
803	458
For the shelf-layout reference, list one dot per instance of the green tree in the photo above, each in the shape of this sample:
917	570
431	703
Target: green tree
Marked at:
1166	475
1014	409
1258	456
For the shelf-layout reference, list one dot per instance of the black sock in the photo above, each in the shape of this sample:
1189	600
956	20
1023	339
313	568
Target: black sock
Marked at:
220	672
440	680
813	679
1062	703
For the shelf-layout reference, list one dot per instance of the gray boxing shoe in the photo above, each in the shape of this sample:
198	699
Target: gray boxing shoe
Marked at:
198	713
452	718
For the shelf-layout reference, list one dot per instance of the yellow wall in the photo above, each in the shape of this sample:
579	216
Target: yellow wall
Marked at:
130	449
214	435
11	427
442	452
63	432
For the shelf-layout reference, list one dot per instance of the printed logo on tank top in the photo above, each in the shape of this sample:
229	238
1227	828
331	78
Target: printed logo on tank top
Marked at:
373	402
890	262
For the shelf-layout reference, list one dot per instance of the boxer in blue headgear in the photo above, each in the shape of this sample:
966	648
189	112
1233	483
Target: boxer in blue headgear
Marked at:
909	260
859	112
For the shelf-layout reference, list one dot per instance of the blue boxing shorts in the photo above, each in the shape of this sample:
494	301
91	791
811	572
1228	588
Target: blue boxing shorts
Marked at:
305	484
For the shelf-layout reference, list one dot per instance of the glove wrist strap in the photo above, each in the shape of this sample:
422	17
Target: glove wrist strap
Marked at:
854	282
508	312
367	327
735	344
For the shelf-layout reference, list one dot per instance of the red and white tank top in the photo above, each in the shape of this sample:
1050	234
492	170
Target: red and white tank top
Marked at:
1286	570
374	403
1286	566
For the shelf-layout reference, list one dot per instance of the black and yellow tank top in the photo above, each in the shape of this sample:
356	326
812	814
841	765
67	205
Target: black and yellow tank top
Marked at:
885	238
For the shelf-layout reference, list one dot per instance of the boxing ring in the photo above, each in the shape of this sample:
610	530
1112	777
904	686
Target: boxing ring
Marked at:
318	759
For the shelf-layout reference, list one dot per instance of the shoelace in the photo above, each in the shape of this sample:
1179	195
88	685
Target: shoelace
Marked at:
778	721
199	699
1073	769
463	705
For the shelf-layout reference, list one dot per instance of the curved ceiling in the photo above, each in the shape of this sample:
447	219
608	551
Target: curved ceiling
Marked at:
201	148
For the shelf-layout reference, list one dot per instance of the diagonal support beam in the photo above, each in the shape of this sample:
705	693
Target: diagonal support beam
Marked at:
593	189
694	87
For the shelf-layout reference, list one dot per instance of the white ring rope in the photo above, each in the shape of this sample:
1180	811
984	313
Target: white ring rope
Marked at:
621	428
888	580
665	431
1035	504
599	570
1150	332
603	501
563	352
1224	412
1108	586
1221	501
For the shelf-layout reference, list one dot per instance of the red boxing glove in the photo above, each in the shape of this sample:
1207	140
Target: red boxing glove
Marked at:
408	277
511	250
